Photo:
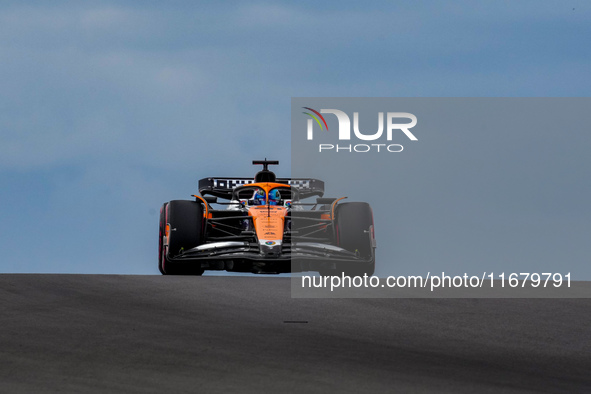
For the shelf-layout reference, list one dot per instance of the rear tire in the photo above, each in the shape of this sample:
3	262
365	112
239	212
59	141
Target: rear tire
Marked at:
353	223
186	232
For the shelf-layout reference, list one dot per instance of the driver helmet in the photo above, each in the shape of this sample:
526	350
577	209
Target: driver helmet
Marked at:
274	197
259	197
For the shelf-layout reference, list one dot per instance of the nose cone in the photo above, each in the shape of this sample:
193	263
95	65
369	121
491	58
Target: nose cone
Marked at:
270	248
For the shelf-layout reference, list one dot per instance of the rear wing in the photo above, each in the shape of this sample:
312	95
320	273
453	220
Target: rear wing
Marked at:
223	187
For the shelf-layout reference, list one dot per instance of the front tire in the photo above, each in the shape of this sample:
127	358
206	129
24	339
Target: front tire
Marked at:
354	221
161	230
186	232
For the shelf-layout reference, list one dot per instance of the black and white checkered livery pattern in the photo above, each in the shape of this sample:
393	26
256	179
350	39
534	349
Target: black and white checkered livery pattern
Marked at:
223	187
234	183
230	183
299	183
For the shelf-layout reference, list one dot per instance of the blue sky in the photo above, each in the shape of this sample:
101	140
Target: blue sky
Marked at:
109	109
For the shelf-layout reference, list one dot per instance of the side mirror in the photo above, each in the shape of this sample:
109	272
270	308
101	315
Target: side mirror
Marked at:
210	199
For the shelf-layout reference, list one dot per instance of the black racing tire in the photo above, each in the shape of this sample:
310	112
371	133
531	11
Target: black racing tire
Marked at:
161	230
186	232
353	222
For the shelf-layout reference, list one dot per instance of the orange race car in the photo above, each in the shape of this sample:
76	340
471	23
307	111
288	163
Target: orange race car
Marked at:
265	227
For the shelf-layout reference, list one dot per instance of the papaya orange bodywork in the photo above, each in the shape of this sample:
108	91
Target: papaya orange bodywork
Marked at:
268	220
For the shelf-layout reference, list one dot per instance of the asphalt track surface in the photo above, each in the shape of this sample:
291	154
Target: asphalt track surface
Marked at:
144	334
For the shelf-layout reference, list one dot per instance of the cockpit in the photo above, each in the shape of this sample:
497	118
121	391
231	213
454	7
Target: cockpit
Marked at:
257	196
